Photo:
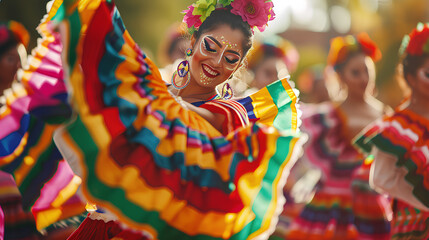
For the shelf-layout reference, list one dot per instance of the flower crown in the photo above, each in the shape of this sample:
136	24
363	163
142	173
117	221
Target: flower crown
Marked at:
256	13
417	42
342	47
14	29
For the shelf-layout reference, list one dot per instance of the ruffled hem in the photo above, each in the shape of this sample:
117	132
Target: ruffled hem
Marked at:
405	136
328	147
32	111
156	166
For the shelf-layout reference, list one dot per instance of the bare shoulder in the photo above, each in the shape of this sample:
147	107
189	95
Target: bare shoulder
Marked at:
361	115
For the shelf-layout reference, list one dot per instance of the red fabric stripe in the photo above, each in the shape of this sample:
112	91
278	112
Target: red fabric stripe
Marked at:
94	51
204	199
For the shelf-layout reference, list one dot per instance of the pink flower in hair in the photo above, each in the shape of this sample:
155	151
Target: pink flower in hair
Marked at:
190	19
256	13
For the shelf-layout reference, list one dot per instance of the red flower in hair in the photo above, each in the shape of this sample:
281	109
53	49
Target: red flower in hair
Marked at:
369	47
342	47
419	41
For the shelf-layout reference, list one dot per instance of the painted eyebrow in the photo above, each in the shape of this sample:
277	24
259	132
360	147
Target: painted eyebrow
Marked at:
216	41
220	45
235	52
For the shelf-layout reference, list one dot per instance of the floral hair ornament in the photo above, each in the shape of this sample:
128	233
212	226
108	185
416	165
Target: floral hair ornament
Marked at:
417	42
256	13
342	47
16	30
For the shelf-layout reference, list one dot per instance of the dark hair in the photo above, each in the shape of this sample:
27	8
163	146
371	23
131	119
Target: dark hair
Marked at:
410	64
9	43
223	16
340	67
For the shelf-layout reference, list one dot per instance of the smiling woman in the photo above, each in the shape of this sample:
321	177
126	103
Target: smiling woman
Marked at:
216	51
165	165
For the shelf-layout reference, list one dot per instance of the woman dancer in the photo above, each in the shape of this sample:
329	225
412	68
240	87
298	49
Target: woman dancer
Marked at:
336	211
174	167
399	144
12	35
45	183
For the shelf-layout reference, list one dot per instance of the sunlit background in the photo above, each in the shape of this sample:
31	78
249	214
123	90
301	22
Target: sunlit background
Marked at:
308	24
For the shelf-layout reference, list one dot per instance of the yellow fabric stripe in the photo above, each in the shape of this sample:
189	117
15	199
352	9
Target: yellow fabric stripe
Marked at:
275	199
292	96
262	99
9	190
46	218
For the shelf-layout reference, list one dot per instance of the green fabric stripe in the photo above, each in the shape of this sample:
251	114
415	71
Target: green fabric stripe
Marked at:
361	143
387	146
415	234
416	180
282	100
75	28
36	168
260	206
60	14
275	238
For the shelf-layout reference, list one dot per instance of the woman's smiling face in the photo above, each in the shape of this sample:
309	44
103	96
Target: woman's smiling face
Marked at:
216	55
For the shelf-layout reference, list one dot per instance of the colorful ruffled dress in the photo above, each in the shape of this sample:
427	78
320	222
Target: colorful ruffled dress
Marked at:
32	110
157	167
101	225
341	208
405	137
